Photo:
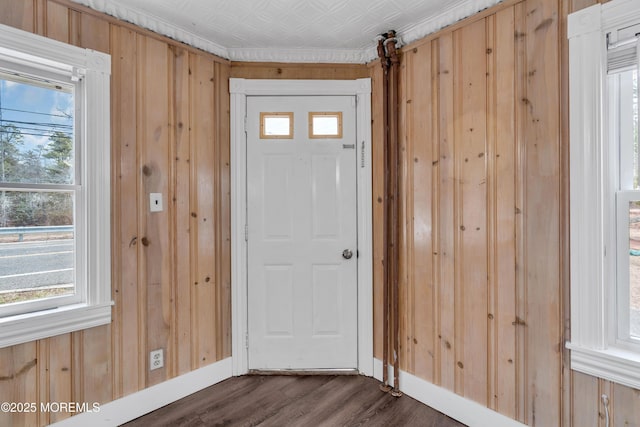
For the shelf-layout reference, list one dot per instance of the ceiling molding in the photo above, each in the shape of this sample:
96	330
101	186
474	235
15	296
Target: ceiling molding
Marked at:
457	11
158	25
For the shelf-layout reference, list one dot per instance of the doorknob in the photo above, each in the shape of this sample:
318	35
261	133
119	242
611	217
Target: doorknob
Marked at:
347	254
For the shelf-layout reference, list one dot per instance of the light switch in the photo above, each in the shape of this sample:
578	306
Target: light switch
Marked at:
155	202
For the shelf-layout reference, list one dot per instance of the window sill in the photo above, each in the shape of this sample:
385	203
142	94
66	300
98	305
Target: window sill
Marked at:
47	323
613	364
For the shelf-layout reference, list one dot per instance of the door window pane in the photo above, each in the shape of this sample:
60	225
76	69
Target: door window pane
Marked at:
276	125
325	125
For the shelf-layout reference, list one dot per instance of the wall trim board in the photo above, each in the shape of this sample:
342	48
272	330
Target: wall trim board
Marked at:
140	403
449	403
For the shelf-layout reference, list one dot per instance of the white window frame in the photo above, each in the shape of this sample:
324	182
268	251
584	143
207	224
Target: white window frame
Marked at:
595	347
92	72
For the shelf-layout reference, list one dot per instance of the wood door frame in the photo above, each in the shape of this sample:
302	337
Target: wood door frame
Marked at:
239	89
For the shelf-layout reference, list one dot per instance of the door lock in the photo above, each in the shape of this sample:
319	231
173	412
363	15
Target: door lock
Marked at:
347	254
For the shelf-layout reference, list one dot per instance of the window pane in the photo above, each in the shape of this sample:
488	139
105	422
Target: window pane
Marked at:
36	245
626	127
325	125
36	131
634	268
276	125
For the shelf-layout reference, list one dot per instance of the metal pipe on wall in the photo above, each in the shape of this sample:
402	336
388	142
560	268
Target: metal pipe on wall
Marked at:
386	273
392	154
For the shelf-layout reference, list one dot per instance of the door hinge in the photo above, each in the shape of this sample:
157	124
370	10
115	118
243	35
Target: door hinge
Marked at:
362	155
246	233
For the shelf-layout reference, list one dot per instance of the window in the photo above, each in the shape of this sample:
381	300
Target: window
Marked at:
325	125
276	125
622	85
54	188
605	191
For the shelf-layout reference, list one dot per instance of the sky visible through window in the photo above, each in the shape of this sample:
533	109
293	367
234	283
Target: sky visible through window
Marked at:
33	114
36	225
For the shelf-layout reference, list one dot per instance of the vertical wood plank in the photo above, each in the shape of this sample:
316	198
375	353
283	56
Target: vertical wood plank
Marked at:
446	207
435	208
96	365
181	200
491	142
155	264
577	5
203	207
520	190
77	367
42	386
421	213
92	33
59	372
605	388
585	401
624	405
505	210
40	17
116	223
88	31
471	258
18	14
19	382
565	280
129	367
542	226
223	222
377	76
170	290
57	22
406	284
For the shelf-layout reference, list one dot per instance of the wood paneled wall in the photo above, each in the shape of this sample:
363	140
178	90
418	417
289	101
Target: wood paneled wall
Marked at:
484	271
485	200
171	270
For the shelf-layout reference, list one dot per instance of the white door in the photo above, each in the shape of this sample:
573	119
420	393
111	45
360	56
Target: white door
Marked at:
302	232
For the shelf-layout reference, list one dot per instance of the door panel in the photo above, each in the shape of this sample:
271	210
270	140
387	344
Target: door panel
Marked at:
302	215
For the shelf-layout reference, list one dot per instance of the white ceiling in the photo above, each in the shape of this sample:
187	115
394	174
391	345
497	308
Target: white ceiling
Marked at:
290	30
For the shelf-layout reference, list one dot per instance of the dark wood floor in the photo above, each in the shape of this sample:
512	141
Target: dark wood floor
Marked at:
307	401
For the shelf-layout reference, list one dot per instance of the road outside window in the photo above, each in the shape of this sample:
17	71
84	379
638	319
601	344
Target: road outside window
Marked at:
37	178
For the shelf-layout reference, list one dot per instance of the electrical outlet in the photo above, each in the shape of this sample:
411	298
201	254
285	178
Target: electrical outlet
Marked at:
156	359
155	202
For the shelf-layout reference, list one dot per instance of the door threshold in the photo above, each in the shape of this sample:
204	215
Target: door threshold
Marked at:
303	372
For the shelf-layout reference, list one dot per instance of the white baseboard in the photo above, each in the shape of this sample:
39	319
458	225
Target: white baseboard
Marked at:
453	405
137	404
